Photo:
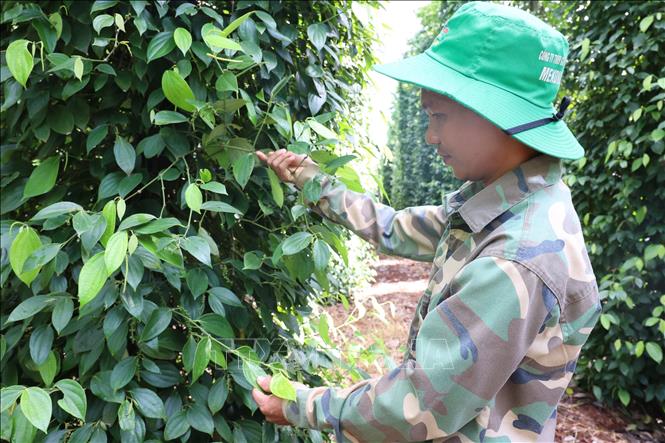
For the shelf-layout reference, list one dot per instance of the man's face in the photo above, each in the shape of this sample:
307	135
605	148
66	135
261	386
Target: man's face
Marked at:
471	145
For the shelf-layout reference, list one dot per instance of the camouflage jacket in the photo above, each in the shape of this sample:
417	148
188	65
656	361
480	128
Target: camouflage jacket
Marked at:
496	336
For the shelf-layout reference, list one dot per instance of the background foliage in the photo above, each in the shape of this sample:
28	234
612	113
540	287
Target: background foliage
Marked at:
143	249
615	77
416	173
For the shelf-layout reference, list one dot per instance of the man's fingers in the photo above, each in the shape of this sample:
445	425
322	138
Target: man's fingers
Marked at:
275	157
282	163
259	397
261	156
264	382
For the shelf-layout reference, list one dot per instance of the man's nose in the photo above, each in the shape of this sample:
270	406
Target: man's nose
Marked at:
431	138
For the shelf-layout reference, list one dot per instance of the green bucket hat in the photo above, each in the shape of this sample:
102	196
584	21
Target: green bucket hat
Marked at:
504	64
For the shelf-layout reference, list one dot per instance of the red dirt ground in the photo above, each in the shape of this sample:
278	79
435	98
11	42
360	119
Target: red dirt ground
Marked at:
398	286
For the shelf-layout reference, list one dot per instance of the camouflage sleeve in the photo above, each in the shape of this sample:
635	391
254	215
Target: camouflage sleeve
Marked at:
466	349
412	232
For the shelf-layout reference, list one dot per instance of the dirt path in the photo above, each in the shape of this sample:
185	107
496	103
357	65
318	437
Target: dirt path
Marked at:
379	317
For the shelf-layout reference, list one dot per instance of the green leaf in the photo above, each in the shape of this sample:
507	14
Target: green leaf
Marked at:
217	395
36	406
135	220
276	188
100	5
123	372
90	228
169	117
177	91
227	81
197	281
62	313
266	18
321	254
243	167
159	320
91	279
312	190
56	22
160	46
176	425
148	403
126	416
9	395
74	401
317	33
119	21
124	153
200	418
48	369
646	83
57	209
323	329
235	24
159	225
296	243
653	251
252	50
21	428
215	206
624	396
281	387
198	247
321	130
41	256
41	341
152	146
43	177
78	73
657	134
226	296
586	44
109	214
24	245
252	371
216	40
95	137
251	261
201	358
183	39
102	21
19	60
215	187
29	307
106	69
646	22
116	251
193	197
216	325
121	206
655	352
217	355
639	349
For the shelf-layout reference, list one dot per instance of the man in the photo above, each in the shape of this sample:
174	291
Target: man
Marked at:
511	297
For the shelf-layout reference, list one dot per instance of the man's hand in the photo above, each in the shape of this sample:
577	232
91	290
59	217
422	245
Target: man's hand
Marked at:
270	405
284	163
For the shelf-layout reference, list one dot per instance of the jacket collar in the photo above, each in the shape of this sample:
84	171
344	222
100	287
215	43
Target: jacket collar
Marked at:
479	205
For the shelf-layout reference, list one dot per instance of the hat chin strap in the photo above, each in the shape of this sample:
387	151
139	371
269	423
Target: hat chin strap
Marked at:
565	101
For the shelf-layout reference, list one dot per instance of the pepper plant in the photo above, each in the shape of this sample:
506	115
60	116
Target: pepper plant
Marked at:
150	268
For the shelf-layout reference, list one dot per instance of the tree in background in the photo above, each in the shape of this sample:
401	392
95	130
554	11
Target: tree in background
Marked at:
615	76
416	176
143	251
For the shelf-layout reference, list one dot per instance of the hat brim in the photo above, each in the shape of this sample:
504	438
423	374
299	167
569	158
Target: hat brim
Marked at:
503	108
